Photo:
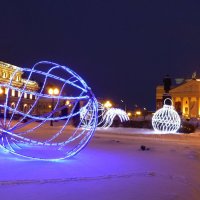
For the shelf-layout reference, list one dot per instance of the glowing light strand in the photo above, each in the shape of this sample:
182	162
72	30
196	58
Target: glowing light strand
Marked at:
106	116
66	140
110	115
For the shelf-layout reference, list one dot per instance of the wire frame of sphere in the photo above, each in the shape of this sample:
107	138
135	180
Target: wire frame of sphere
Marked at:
166	120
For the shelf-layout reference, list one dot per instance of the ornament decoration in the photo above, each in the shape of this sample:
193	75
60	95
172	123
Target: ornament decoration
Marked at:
26	132
106	116
166	119
110	115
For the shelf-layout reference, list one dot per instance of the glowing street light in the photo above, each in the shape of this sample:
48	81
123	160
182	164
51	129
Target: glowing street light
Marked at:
129	114
138	113
108	104
53	92
68	103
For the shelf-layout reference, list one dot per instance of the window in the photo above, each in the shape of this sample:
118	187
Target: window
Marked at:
31	96
17	78
1	90
4	75
6	90
13	93
25	95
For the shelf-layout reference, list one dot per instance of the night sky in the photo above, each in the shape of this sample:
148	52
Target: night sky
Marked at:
121	48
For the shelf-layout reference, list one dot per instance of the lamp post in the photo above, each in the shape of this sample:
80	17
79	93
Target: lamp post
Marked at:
124	104
53	92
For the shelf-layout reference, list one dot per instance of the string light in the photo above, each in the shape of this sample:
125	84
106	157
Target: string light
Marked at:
111	113
86	112
166	119
31	136
106	115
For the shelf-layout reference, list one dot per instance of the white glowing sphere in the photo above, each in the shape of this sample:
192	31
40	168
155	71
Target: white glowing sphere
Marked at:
166	120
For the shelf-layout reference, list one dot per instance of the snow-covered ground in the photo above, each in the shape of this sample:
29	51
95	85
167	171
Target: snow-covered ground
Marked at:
112	166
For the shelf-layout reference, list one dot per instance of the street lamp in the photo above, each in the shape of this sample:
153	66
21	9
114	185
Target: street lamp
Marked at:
138	113
108	104
53	92
129	114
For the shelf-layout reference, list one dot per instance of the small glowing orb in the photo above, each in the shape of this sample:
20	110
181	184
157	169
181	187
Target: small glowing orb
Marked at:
108	104
129	114
166	120
28	128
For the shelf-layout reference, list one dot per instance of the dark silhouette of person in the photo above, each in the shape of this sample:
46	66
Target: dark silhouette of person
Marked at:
76	118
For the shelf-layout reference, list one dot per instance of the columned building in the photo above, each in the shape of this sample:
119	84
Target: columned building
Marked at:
185	97
6	73
44	105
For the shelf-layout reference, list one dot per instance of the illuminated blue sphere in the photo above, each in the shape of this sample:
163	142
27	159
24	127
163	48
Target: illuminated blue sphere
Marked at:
45	123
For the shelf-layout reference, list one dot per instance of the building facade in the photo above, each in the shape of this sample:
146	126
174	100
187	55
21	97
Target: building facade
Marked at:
185	98
43	105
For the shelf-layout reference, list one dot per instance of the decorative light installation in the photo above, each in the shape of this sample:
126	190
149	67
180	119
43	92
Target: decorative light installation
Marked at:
166	119
111	113
26	132
105	115
86	112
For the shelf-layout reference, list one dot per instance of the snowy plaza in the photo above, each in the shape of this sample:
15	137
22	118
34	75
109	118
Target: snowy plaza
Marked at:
100	100
112	166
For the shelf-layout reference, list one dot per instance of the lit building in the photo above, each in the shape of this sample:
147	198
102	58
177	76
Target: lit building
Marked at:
185	97
44	105
6	73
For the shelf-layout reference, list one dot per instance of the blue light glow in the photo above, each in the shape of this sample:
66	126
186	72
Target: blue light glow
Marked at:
31	135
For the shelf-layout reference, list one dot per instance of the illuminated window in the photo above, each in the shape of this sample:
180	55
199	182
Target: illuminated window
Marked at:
13	93
25	95
31	96
19	93
6	90
17	78
1	90
4	75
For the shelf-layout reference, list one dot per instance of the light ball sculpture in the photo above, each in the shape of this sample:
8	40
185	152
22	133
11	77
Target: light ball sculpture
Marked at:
166	119
106	115
86	112
110	115
26	131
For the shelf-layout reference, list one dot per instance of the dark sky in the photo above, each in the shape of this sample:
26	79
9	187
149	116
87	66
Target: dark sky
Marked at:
121	48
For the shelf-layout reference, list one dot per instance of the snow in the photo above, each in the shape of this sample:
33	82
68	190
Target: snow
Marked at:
112	166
